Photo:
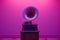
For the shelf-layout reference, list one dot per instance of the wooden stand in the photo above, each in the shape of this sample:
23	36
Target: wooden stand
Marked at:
29	35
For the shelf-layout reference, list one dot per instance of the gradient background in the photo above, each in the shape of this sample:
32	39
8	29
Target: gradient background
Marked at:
11	18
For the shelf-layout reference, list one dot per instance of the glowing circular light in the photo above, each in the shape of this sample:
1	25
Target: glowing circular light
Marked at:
30	13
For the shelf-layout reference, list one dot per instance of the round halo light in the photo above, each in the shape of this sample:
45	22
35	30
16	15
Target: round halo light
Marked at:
30	13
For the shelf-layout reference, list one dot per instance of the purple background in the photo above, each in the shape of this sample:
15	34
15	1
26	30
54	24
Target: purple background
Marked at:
11	18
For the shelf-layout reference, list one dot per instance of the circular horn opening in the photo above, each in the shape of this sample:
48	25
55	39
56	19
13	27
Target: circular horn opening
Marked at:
30	13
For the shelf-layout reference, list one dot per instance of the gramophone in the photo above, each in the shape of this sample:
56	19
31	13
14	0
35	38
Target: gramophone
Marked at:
30	30
30	14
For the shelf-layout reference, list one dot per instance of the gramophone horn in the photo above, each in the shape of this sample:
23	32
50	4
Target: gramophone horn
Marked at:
30	13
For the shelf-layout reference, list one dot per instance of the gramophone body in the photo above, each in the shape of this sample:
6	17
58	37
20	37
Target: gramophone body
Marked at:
29	30
30	27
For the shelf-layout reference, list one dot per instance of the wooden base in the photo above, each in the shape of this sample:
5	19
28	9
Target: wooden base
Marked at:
31	35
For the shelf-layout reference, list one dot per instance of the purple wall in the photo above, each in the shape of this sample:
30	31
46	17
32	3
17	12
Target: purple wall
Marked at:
11	16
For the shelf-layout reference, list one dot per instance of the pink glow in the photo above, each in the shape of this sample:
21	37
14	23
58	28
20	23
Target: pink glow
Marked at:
42	5
12	20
